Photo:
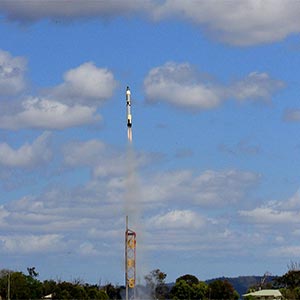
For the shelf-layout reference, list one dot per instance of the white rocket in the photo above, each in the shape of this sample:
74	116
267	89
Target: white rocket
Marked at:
128	112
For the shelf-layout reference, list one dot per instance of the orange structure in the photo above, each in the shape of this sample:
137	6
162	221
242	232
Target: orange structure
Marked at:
130	259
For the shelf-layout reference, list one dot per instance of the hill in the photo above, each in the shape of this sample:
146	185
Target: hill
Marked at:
242	283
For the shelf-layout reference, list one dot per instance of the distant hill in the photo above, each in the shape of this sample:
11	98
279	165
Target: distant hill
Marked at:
242	283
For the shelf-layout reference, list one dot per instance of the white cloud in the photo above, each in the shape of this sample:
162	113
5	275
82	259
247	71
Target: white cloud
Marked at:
87	248
30	243
275	212
224	186
72	103
181	85
211	188
293	202
269	215
286	251
12	74
255	86
83	153
85	84
3	215
178	85
35	10
28	155
177	219
48	114
105	160
242	23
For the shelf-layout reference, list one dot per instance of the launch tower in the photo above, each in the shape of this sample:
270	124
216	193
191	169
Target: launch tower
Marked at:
130	258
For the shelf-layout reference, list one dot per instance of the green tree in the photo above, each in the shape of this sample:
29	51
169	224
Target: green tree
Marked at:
189	287
289	283
48	287
68	290
155	284
182	290
222	289
201	290
290	280
114	293
189	279
19	287
4	282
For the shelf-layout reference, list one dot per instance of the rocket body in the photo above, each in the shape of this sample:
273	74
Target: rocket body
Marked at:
128	113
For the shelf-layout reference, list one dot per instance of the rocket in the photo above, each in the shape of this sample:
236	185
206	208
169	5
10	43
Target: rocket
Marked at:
128	112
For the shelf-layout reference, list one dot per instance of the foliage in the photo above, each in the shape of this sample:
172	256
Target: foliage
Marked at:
189	279
290	280
155	284
222	289
289	284
189	287
114	293
182	290
28	287
293	266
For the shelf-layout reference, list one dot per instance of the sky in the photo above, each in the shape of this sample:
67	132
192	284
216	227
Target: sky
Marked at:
211	180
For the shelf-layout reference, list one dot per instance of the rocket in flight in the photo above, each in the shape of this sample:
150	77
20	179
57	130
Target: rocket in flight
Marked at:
128	112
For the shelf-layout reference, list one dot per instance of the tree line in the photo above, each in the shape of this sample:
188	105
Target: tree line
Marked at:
17	285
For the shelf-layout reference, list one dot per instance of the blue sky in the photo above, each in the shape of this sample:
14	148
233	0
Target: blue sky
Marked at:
211	182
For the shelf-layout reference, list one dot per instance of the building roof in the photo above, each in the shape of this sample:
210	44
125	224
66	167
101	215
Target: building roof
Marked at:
265	293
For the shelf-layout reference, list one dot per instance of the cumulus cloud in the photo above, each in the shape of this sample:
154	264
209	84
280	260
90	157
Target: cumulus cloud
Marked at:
211	188
48	114
69	10
293	202
242	23
83	153
85	84
269	215
12	74
72	103
181	85
286	251
87	248
275	212
28	155
30	243
103	159
177	84
177	219
255	86
88	216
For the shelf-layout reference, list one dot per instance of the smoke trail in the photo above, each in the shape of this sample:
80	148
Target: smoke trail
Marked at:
134	210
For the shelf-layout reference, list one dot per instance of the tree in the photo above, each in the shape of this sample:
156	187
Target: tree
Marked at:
293	266
182	290
189	287
201	290
290	280
114	293
155	284
222	289
290	283
189	279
